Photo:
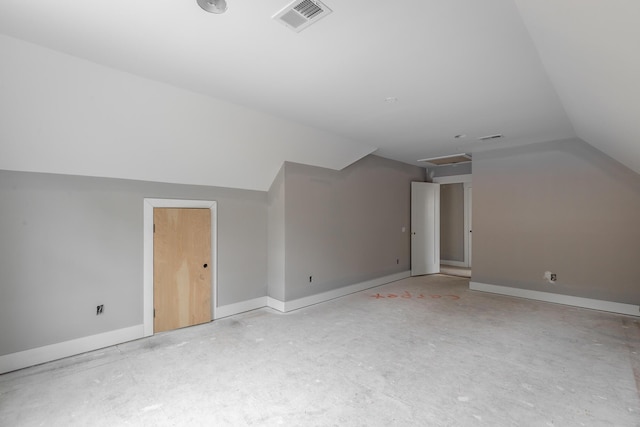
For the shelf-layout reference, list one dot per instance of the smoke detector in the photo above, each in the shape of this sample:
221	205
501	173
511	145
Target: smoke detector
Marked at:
302	13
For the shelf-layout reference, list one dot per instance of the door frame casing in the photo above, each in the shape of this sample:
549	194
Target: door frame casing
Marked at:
468	220
149	205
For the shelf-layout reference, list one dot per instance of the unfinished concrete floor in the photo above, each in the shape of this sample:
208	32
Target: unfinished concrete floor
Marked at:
423	351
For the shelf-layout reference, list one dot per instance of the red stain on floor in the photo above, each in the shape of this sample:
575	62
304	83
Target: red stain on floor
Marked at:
409	295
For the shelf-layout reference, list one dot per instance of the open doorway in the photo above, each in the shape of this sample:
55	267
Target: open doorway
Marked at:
446	246
456	226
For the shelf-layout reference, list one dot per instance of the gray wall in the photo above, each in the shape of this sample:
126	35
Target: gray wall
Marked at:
452	222
276	242
69	243
344	227
559	206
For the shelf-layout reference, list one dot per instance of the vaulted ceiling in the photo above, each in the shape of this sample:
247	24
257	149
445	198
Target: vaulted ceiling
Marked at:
398	78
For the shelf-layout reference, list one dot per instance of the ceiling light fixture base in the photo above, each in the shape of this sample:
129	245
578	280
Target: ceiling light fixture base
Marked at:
213	6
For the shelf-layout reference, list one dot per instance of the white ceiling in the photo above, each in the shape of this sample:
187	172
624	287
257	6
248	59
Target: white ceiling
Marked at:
591	52
533	70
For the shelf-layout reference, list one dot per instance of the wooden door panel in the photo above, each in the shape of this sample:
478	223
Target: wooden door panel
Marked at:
181	270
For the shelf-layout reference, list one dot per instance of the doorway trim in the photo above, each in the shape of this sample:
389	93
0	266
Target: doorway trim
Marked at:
149	205
468	220
467	181
453	179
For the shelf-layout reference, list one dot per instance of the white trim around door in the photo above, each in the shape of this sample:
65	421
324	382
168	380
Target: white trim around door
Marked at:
453	179
149	204
468	219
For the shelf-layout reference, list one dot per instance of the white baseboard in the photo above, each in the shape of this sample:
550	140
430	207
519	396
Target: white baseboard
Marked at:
36	356
335	293
48	353
240	307
594	304
276	304
453	263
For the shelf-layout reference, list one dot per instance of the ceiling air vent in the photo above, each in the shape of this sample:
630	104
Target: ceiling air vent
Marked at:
302	13
448	160
491	137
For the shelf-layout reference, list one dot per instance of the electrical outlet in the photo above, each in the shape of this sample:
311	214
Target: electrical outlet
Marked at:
99	309
310	279
553	277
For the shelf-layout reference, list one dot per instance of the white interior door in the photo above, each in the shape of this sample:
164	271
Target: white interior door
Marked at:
425	228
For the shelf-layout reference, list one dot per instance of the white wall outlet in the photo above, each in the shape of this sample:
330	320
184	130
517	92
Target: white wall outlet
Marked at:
550	277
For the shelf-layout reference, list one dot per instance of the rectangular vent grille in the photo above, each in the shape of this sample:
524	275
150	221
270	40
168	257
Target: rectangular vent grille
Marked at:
448	160
308	9
490	137
301	14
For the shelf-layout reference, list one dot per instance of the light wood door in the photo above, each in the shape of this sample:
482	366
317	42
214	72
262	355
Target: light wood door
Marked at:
425	228
181	268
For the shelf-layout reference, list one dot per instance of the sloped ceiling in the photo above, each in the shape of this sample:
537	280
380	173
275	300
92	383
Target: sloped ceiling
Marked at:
533	70
591	52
